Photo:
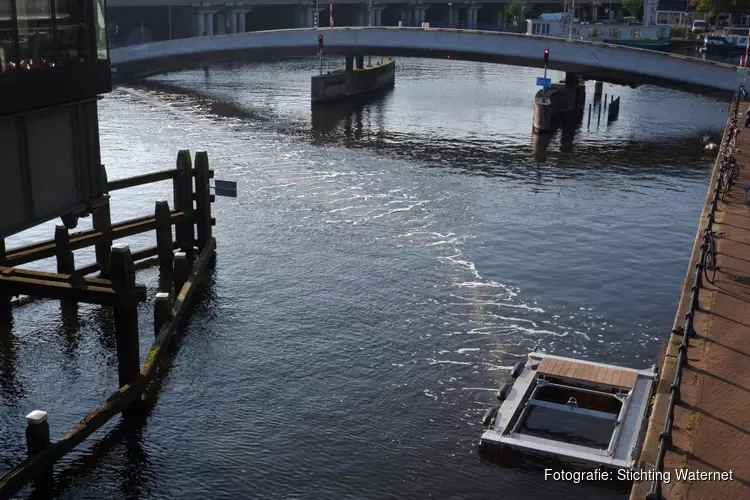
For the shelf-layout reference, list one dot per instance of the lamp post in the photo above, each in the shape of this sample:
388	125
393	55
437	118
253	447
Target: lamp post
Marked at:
369	25
572	15
450	14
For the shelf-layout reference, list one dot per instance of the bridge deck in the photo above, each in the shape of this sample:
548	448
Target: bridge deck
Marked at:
712	425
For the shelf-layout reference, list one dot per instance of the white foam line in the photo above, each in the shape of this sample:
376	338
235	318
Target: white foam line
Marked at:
492	303
493	389
582	334
343	209
531	330
467	349
448	362
401	209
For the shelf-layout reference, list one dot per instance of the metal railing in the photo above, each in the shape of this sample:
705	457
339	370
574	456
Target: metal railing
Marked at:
665	437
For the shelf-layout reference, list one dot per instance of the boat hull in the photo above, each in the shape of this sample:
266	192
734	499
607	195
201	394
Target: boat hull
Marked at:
659	46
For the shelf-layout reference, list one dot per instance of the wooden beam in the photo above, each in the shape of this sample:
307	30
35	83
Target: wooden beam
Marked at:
31	468
46	249
36	281
139	180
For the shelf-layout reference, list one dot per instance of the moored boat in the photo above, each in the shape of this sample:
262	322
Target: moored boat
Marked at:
631	35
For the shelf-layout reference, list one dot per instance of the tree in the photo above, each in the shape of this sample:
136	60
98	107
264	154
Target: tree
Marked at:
515	8
632	6
714	7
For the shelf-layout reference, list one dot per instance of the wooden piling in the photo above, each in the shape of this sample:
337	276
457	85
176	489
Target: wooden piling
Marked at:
162	311
605	102
122	270
598	114
102	222
589	124
5	305
63	252
164	235
181	271
202	199
37	432
183	200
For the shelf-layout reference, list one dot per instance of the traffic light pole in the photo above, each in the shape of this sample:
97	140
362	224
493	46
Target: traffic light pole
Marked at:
320	51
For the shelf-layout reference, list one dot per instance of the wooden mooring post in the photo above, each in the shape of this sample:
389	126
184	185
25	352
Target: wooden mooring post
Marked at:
37	432
5	305
183	201
162	311
203	199
122	270
63	252
102	223
164	242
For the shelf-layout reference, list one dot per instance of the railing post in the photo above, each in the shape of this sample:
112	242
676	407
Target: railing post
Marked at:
202	199
63	253
164	235
102	222
162	311
122	271
183	201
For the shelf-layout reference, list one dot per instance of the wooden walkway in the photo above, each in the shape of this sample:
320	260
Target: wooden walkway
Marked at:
712	423
588	372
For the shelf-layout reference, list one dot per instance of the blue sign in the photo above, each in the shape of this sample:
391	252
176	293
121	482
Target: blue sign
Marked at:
543	82
747	188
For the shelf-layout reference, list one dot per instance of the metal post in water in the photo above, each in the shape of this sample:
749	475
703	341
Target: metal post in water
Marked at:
599	115
589	123
605	101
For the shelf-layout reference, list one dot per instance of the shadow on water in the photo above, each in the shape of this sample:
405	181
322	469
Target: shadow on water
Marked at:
10	385
533	464
127	435
361	124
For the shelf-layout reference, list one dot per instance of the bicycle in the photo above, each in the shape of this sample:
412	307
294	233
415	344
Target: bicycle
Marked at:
708	262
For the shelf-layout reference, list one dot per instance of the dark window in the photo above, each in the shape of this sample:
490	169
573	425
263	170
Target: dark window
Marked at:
70	20
7	46
35	43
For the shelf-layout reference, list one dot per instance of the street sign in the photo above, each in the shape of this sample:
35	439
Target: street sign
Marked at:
225	188
425	25
543	82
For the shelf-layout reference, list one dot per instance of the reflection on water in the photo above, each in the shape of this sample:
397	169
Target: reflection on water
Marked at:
384	266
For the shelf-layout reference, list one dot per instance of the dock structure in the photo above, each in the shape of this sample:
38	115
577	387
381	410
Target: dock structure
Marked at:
183	261
709	429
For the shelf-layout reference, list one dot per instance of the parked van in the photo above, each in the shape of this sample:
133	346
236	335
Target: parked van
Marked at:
555	16
699	26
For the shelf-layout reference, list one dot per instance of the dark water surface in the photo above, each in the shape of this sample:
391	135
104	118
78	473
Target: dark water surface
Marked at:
381	270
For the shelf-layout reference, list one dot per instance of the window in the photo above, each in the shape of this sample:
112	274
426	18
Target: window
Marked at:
635	34
35	41
594	32
71	31
615	33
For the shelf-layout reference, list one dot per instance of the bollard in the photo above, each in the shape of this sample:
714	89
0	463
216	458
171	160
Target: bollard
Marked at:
37	432
181	272
164	245
589	124
63	253
162	311
122	270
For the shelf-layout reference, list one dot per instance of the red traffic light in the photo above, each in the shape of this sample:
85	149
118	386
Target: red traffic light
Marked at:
320	37
320	41
546	56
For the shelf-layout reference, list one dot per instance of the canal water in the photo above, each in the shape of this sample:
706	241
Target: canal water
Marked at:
382	268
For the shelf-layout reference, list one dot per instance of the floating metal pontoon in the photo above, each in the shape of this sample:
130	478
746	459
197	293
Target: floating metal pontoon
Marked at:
578	411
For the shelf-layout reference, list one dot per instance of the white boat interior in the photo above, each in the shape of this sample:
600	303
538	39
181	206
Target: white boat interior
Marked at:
578	411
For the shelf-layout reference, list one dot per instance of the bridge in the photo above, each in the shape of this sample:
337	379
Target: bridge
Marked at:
589	60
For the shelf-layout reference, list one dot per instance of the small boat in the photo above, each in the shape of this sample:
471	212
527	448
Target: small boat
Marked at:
725	44
578	411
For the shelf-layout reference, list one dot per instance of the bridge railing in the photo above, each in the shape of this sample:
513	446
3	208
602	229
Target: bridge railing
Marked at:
665	437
